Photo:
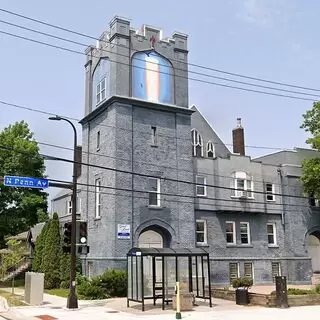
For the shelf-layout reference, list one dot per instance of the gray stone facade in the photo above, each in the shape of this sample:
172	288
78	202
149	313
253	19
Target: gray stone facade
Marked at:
127	139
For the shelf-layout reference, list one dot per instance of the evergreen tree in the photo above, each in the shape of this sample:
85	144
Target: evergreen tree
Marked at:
39	249
52	255
65	270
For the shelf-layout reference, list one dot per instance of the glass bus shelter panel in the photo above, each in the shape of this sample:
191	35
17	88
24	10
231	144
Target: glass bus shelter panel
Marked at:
183	271
139	278
134	278
197	276
169	277
147	276
129	279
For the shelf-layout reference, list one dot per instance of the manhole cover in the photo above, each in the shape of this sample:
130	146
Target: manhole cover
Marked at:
112	311
46	317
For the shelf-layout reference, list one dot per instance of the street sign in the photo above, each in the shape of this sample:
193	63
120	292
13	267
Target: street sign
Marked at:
25	182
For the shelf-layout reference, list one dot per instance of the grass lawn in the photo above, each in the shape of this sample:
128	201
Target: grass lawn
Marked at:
19	283
13	300
58	292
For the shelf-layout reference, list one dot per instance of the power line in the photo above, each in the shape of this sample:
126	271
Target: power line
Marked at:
190	64
176	195
50	157
153	165
139	59
162	72
47	113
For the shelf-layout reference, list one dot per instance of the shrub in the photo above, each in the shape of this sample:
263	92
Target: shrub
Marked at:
90	290
244	283
114	282
295	291
317	288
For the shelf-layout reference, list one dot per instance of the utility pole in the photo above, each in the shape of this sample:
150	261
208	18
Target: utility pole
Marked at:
72	302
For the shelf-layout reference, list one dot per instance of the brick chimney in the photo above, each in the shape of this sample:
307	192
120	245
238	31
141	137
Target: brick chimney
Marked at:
238	139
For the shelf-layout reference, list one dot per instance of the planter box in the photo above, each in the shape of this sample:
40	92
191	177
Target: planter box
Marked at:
186	301
242	297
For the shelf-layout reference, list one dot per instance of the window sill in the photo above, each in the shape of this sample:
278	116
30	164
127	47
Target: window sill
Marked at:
244	198
239	245
270	201
155	207
97	218
201	195
202	244
154	146
273	246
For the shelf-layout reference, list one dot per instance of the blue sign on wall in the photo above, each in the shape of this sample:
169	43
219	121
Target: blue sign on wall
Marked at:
25	182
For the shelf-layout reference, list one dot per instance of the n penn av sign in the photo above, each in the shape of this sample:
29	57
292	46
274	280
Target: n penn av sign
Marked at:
25	182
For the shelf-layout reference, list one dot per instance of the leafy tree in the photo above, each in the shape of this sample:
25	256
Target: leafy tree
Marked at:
311	167
19	155
52	255
39	249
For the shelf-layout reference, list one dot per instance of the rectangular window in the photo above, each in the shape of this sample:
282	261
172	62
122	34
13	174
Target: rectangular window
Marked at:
271	229
243	186
201	231
245	232
69	207
270	192
154	192
230	232
248	270
276	270
101	90
97	198
98	140
154	136
233	271
201	186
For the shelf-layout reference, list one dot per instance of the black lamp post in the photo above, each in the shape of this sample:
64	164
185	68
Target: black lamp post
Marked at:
72	302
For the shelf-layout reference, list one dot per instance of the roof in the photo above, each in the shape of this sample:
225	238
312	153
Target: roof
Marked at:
165	252
36	230
20	236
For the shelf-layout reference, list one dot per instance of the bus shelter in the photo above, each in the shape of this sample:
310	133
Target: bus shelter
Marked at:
153	273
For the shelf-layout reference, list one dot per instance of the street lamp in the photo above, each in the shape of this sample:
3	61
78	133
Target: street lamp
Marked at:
72	302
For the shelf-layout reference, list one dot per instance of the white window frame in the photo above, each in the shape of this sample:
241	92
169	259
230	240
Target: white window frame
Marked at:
204	232
211	148
248	188
69	207
270	193
196	141
199	185
274	234
157	192
252	270
98	140
97	193
234	237
101	93
238	271
248	232
278	267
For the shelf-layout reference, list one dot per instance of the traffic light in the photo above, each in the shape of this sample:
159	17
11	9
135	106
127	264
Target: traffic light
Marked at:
67	233
83	233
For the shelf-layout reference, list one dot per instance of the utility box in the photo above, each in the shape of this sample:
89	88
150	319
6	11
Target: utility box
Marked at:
281	292
34	285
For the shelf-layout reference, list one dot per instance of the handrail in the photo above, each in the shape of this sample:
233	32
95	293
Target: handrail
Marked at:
5	274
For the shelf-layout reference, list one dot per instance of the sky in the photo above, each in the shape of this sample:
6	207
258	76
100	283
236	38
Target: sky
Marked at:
269	39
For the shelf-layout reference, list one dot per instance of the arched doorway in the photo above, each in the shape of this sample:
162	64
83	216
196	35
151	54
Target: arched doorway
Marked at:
314	252
150	239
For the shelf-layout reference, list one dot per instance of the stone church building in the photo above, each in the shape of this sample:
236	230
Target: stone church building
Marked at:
159	175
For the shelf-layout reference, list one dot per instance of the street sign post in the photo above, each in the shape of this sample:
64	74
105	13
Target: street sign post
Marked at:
25	182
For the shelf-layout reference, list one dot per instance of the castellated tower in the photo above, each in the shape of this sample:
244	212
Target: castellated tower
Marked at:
159	65
136	136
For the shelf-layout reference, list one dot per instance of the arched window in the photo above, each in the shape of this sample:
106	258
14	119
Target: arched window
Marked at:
101	82
243	185
210	150
197	144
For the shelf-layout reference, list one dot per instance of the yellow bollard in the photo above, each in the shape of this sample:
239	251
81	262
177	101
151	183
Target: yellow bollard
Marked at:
178	313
